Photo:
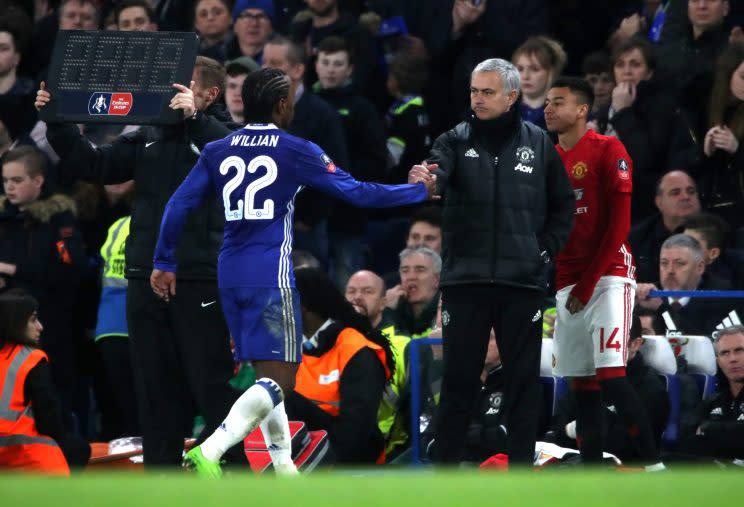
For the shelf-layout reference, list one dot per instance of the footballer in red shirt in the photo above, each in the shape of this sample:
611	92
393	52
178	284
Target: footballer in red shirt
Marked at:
595	275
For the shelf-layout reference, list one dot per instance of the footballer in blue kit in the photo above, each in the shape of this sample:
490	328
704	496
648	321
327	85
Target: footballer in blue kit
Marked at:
258	171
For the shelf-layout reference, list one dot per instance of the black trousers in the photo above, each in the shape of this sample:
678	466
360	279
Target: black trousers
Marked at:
181	363
117	386
468	314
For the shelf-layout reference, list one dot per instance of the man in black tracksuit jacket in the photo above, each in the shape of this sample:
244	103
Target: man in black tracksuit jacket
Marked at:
180	349
508	209
719	420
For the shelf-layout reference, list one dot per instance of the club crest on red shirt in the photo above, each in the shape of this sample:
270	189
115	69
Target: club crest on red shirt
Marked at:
579	170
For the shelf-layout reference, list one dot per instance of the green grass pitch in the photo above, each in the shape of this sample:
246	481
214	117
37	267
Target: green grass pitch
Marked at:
389	488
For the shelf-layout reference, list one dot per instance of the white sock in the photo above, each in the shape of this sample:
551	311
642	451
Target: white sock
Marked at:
245	415
275	429
658	467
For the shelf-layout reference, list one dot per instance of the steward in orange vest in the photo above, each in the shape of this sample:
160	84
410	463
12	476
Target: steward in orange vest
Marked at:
26	392
345	366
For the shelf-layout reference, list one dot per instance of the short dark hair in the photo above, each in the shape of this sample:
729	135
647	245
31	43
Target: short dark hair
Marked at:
262	90
644	46
712	227
126	4
295	52
596	63
579	87
30	157
16	307
211	72
18	25
336	44
410	73
432	215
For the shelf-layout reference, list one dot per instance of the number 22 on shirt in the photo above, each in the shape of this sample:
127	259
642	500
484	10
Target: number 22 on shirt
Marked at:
247	207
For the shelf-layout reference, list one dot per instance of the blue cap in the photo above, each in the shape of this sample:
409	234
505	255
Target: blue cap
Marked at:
393	26
265	5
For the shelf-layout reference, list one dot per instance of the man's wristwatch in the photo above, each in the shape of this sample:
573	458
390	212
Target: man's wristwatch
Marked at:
193	116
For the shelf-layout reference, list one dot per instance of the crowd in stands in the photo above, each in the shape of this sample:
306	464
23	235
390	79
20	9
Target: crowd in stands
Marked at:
374	82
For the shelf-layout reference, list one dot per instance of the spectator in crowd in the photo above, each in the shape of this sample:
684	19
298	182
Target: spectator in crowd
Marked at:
135	16
304	259
316	121
426	229
461	33
70	15
112	334
688	52
598	72
721	171
719	421
252	27
539	61
412	304
183	355
407	120
365	137
31	410
681	267
676	199
16	91
237	70
651	391
647	122
711	231
365	290
213	22
41	251
327	19
342	346
11	127
497	238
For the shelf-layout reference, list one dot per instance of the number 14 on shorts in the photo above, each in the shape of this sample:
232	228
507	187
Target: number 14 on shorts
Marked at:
609	342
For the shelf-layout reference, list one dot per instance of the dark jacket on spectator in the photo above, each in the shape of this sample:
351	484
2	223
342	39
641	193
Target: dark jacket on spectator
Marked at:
407	324
407	125
684	59
158	158
508	203
645	240
368	161
721	422
652	391
316	121
657	139
354	434
44	243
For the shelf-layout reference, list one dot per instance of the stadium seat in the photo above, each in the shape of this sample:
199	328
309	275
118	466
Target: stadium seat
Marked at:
658	355
706	383
697	351
671	432
546	358
309	448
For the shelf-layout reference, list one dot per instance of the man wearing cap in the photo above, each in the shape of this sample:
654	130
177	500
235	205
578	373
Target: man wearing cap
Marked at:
237	70
253	24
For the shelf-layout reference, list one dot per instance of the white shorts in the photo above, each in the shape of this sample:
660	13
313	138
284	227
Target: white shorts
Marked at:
597	336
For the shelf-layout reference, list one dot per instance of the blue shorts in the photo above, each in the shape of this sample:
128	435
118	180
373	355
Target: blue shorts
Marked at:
265	323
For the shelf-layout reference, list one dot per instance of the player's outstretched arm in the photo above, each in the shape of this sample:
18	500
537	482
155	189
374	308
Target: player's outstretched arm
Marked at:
189	195
316	169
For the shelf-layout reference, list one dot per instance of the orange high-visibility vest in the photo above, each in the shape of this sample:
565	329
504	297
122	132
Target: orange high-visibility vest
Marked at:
318	378
22	447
